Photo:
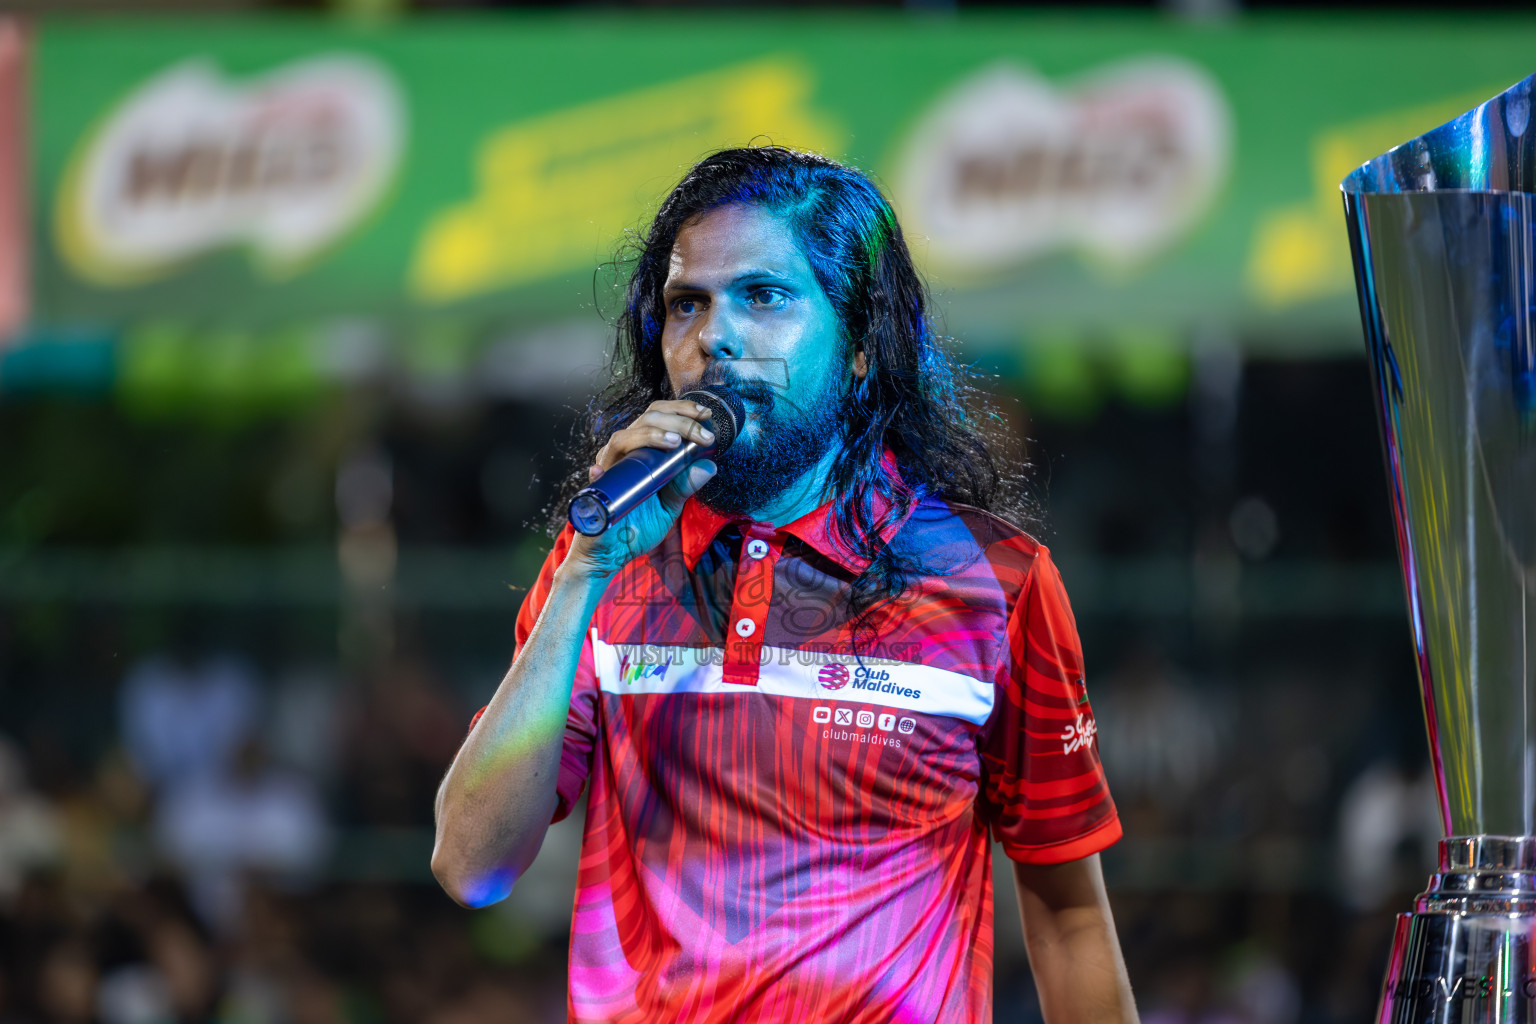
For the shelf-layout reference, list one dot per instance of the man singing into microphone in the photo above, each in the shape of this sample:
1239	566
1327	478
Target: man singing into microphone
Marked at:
804	688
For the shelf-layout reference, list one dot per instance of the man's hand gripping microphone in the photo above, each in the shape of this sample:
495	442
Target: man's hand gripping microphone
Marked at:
643	472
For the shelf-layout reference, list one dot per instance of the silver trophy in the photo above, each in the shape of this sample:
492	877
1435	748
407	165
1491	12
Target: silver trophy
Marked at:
1443	230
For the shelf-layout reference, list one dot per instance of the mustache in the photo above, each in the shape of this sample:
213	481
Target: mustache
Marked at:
719	376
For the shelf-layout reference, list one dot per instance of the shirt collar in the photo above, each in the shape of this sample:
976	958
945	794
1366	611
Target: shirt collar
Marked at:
700	526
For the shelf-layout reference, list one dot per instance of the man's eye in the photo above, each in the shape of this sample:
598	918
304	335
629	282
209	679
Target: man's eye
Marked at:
765	296
687	307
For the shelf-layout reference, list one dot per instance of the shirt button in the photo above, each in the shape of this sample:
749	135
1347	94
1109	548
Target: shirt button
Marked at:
745	627
757	548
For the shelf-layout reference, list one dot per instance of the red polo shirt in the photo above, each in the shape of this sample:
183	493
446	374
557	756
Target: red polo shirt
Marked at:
782	827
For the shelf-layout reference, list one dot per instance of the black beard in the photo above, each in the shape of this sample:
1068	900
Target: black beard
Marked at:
789	441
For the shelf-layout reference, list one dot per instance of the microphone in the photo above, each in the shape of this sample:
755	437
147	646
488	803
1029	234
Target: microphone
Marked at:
645	471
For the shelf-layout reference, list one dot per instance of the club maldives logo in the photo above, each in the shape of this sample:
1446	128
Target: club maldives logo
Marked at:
878	680
833	676
189	162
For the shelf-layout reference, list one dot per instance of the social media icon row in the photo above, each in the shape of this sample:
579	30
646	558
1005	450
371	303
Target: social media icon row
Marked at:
863	719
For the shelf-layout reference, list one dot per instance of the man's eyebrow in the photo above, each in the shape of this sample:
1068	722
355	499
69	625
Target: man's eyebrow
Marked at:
753	274
761	274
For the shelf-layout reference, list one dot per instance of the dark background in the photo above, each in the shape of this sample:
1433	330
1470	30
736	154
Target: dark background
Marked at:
1227	545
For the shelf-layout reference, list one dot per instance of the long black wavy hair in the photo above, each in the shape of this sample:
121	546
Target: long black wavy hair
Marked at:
913	398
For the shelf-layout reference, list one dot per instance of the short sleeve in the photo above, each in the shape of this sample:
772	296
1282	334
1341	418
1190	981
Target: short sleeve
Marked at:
1043	787
581	719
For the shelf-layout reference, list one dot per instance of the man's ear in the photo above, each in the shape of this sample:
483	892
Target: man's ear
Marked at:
860	365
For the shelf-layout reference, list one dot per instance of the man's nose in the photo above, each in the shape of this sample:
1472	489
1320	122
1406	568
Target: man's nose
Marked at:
719	336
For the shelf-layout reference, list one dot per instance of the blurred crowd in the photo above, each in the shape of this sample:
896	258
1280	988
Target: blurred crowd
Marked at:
251	846
216	803
1268	849
199	868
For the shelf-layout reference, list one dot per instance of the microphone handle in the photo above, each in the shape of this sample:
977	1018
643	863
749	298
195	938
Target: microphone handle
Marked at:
629	482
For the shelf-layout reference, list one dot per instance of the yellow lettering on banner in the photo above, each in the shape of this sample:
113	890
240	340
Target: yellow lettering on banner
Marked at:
556	191
1301	252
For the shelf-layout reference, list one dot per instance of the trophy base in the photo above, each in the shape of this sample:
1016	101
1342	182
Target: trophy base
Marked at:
1465	952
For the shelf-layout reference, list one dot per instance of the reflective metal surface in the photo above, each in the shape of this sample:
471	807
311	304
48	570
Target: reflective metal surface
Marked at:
1443	230
1446	284
1465	953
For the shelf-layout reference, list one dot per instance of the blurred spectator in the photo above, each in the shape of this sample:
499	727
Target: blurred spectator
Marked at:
1254	988
301	729
182	718
108	824
1159	737
156	962
1262	990
255	818
1389	825
29	830
487	1001
1184	994
400	731
67	982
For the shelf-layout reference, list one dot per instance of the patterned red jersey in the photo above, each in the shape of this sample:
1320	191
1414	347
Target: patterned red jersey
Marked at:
788	817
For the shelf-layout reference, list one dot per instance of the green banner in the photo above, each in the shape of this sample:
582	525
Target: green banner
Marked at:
1126	176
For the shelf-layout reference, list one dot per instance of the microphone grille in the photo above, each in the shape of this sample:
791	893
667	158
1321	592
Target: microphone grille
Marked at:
726	413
